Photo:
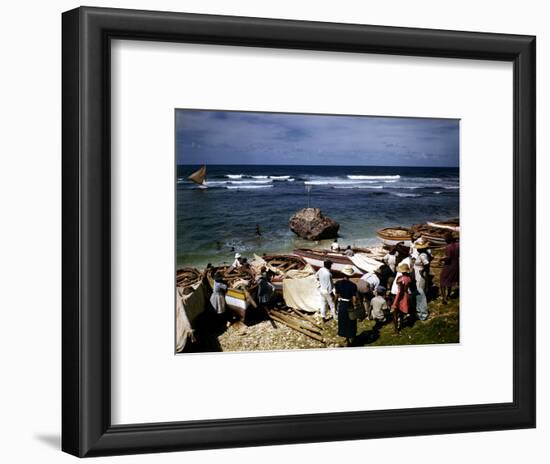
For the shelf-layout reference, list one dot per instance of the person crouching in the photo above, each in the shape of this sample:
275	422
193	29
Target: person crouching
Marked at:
379	308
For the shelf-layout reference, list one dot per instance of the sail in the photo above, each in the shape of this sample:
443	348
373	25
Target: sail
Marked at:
199	176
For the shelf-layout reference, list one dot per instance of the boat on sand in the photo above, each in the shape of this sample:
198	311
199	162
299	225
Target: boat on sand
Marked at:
394	235
316	259
241	285
451	224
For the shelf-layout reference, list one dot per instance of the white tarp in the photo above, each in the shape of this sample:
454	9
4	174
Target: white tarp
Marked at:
365	262
188	306
302	293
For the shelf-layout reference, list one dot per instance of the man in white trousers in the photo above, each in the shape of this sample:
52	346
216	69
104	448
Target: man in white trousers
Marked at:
325	288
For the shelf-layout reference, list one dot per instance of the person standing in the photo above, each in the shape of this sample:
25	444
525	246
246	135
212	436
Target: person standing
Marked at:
324	277
451	272
334	245
265	291
401	305
367	285
421	271
217	299
346	297
391	259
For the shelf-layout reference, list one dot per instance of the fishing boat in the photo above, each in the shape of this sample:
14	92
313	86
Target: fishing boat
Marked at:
395	235
451	224
280	265
316	259
188	277
436	236
241	286
199	177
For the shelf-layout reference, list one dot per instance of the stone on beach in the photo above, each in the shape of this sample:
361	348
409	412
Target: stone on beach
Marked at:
311	224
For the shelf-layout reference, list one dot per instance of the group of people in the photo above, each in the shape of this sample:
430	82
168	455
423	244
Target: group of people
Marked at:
405	272
395	291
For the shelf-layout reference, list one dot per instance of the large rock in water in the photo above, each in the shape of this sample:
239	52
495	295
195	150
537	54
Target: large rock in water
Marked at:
311	224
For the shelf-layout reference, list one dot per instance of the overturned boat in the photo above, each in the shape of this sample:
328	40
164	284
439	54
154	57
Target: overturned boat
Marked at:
394	235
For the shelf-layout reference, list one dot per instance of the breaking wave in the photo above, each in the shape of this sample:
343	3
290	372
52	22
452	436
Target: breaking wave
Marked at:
354	177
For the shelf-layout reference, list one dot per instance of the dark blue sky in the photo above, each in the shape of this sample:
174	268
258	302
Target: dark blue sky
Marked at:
227	137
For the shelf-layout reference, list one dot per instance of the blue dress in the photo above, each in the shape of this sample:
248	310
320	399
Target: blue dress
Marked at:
346	327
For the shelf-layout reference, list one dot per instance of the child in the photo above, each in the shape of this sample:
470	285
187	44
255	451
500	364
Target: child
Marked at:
379	307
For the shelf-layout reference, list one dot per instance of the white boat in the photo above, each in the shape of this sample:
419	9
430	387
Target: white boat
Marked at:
317	258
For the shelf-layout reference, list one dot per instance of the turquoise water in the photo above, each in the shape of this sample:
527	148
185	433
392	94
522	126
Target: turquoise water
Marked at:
214	223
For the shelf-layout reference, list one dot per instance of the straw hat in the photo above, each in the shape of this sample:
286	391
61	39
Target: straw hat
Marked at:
421	245
348	270
403	267
237	255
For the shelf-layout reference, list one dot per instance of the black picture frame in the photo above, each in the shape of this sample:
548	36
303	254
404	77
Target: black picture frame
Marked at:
86	287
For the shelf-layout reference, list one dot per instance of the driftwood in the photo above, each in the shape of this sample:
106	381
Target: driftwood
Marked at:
305	317
294	324
297	324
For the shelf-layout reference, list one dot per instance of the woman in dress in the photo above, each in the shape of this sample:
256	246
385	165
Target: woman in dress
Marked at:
401	305
346	299
421	271
217	300
450	273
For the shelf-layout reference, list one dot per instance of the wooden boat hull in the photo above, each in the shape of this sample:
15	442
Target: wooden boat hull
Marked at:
394	235
236	299
281	264
317	258
452	226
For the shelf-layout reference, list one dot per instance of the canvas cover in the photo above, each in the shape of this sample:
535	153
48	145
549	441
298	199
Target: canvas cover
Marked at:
365	262
189	304
302	293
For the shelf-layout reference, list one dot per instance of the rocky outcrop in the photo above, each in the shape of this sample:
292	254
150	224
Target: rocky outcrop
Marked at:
311	224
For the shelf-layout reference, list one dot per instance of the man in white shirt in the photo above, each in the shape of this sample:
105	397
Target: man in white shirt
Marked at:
237	263
325	289
372	281
334	245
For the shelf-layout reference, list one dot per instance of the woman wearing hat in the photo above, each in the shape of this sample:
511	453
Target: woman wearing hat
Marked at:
421	271
402	302
346	296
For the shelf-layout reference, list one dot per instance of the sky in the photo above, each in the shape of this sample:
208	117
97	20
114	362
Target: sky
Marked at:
235	137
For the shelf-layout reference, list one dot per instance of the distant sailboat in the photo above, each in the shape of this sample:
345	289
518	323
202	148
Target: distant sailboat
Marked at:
199	177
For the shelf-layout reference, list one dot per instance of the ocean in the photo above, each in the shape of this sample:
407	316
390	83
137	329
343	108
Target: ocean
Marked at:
212	224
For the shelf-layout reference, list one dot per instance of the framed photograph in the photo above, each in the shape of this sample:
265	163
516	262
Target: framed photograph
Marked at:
285	231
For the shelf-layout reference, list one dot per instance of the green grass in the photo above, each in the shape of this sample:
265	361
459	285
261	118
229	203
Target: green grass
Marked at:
441	327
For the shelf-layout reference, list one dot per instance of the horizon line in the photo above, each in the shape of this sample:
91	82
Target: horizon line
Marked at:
316	165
